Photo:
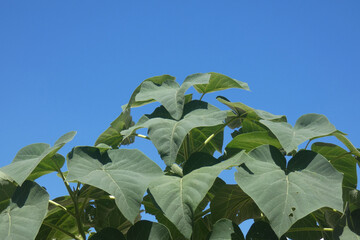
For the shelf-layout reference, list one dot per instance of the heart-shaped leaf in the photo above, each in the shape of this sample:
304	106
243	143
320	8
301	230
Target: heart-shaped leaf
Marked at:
29	157
168	134
179	197
220	82
123	173
22	218
148	230
170	94
286	194
307	127
225	229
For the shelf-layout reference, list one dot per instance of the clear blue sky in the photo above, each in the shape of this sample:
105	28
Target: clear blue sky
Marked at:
70	65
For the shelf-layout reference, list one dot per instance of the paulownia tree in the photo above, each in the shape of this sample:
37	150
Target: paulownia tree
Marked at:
294	193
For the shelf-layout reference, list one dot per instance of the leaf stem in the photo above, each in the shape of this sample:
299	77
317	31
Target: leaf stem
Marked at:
202	96
142	136
62	207
311	229
307	144
61	230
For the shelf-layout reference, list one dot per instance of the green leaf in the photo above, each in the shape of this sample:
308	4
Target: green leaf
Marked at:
179	197
7	188
349	235
220	82
340	159
170	94
198	160
245	111
307	127
25	212
123	173
148	230
262	230
60	219
341	137
283	193
108	234
305	223
151	207
47	165
29	157
232	203
195	138
107	214
250	141
112	136
168	134
225	229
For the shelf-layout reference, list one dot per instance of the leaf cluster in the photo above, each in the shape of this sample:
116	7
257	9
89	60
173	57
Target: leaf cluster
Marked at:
290	193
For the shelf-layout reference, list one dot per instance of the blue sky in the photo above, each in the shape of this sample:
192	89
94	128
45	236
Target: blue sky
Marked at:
70	65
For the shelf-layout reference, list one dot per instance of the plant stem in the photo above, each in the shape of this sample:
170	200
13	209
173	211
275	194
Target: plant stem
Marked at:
307	144
311	229
74	199
62	207
202	96
61	230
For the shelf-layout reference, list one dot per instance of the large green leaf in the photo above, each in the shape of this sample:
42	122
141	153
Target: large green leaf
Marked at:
168	134
340	159
307	127
219	82
286	194
232	203
29	157
121	172
298	230
349	235
170	94
250	141
225	229
179	197
148	230
25	212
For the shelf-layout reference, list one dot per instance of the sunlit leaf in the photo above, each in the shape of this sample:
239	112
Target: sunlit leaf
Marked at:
22	218
179	197
307	127
123	173
170	94
29	157
220	82
286	194
168	134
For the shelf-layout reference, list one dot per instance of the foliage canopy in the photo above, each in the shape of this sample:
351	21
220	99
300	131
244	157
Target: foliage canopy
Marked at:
289	192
